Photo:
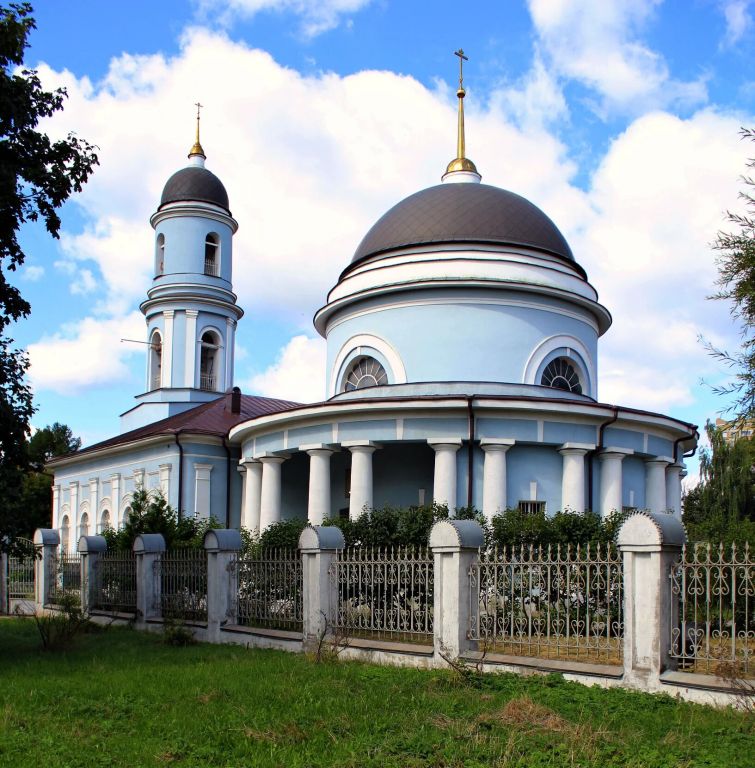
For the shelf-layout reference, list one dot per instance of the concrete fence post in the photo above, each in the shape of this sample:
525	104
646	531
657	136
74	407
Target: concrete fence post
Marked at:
46	541
650	543
319	546
455	545
222	547
148	547
4	596
90	548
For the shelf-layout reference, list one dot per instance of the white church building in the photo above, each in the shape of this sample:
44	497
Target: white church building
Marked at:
462	367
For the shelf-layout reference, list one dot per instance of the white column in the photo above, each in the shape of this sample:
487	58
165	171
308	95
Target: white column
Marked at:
115	498
73	489
674	488
444	478
230	330
655	484
318	506
94	507
360	497
494	476
611	481
167	356
191	348
573	476
270	493
250	518
165	479
56	506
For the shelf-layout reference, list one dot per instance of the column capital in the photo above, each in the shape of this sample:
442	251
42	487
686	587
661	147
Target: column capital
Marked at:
271	458
361	446
576	449
169	312
192	313
613	452
445	443
248	460
316	448
665	460
490	446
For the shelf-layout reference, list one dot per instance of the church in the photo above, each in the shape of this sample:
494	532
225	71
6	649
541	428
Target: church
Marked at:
462	368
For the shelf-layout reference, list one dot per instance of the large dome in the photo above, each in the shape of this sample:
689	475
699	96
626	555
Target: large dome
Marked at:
463	213
195	183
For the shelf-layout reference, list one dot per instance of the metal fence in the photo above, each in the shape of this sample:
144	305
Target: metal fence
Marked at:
270	589
713	589
65	576
182	575
21	577
554	602
115	582
384	593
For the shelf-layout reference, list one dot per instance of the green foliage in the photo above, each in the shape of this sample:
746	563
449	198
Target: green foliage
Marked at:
37	175
736	284
282	535
51	442
722	506
58	629
177	634
151	513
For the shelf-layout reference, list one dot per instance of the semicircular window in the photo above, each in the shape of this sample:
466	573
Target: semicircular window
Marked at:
365	372
561	374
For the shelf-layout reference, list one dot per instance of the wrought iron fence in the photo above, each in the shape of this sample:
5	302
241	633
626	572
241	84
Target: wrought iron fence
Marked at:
115	582
182	575
270	589
21	577
713	590
384	593
207	382
554	602
65	576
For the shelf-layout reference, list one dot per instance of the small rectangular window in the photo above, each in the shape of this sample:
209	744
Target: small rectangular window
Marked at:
531	507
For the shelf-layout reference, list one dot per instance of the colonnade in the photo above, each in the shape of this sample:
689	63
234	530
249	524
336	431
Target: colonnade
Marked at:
262	480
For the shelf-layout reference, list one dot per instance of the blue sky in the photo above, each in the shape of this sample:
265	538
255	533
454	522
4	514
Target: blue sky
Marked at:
618	118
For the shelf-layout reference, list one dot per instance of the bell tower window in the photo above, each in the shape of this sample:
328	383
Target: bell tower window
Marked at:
212	255
160	255
155	360
208	362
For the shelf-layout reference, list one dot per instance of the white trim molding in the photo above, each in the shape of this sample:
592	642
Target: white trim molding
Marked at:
361	345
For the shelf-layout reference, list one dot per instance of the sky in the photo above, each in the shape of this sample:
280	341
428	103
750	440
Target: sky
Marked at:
619	119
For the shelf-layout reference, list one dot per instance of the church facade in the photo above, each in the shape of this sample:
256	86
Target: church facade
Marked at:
462	368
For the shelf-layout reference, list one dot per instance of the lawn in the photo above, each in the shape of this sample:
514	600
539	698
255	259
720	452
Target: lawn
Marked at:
123	698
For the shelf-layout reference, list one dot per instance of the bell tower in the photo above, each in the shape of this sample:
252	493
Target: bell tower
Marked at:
191	311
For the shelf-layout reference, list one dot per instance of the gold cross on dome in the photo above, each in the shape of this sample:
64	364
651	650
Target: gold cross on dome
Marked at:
198	106
462	59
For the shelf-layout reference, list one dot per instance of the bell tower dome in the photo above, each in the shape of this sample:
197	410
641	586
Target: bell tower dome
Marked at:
190	311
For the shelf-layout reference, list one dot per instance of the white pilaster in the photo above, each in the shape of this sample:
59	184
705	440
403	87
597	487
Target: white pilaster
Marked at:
573	476
56	506
444	478
115	498
94	505
230	332
494	476
270	493
73	490
250	518
165	479
674	488
167	362
655	484
611	480
191	348
360	497
318	506
202	490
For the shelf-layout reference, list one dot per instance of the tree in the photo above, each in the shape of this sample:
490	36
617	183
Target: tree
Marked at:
37	175
736	283
50	442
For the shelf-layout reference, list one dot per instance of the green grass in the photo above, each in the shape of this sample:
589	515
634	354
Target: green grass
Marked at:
122	698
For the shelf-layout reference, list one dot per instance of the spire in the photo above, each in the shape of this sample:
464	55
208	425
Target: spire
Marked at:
461	164
196	152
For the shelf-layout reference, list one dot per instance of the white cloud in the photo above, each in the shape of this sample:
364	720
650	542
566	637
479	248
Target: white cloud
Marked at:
85	354
738	20
298	374
32	273
316	16
598	43
84	284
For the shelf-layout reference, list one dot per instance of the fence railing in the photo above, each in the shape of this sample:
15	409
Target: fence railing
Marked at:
384	593
182	575
21	577
65	576
115	582
270	589
207	382
713	589
554	602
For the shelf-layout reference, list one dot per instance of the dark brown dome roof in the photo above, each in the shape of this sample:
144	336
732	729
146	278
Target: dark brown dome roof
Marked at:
463	213
194	183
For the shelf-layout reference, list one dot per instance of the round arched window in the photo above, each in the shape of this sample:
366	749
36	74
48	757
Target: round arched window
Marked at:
365	372
561	374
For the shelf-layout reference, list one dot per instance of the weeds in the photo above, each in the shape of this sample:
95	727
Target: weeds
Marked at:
58	629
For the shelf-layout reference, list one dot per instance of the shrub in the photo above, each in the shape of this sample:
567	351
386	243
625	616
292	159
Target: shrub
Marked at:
59	629
177	634
282	535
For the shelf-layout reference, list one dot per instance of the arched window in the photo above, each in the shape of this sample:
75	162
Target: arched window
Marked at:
208	362
561	374
65	533
365	372
160	255
155	360
126	515
105	524
212	255
84	525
